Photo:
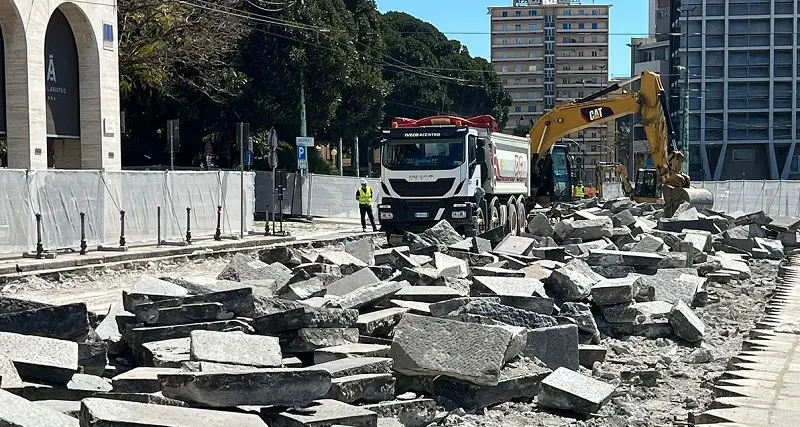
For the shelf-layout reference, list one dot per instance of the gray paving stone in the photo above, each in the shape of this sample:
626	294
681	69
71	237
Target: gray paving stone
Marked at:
584	318
285	316
536	271
242	268
517	286
503	313
400	260
381	322
363	249
166	353
685	323
310	339
382	256
344	260
357	366
140	380
108	329
369	294
138	336
448	266
573	281
568	390
614	291
556	346
16	411
427	294
410	413
313	287
39	358
648	243
327	354
443	308
539	225
414	307
368	388
297	387
496	272
666	285
351	282
66	322
236	348
238	301
608	258
149	288
425	346
553	253
9	377
516	245
323	413
535	304
588	354
65	407
627	313
116	413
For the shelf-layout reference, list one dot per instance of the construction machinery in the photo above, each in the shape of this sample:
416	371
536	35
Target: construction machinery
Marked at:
650	103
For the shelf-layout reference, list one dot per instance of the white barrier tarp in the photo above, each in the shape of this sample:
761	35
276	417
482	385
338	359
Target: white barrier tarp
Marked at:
17	221
199	191
335	196
231	188
139	194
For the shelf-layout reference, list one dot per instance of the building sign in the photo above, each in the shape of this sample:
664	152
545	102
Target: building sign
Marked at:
61	79
108	36
2	86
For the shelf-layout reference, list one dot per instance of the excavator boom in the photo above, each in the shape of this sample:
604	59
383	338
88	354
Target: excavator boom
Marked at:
650	103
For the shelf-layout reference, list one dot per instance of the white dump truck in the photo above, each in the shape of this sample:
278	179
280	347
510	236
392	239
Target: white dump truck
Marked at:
461	170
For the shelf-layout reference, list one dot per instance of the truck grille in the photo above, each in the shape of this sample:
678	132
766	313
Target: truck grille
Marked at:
437	188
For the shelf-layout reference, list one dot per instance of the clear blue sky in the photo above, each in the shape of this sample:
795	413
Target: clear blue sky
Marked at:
629	18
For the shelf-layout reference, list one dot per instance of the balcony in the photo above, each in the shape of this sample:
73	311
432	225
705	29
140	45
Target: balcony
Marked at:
518	73
581	30
513	45
524	17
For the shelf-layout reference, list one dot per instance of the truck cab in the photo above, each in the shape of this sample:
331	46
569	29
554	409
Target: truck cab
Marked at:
430	171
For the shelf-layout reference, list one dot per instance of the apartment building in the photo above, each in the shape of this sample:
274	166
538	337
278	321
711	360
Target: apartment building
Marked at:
552	51
742	86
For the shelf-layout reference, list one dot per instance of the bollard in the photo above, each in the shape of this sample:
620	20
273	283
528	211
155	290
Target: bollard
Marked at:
158	228
83	233
122	229
39	246
188	225
218	234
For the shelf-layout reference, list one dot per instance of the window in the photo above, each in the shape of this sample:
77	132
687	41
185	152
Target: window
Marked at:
743	155
580	25
517	13
517	109
594	39
504	27
594	11
518	41
594	53
531	68
531	109
566	67
505	68
531	13
533	27
505	14
566	39
580	94
594	25
504	55
565	26
567	12
518	27
581	12
580	53
505	41
564	81
517	81
567	94
518	68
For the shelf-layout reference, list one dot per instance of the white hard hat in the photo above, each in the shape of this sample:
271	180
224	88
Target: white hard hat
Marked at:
363	181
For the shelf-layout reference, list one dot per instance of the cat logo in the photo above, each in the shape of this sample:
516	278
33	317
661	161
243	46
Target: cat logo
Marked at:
593	114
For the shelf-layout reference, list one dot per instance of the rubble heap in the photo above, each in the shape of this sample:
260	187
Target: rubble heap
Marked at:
363	335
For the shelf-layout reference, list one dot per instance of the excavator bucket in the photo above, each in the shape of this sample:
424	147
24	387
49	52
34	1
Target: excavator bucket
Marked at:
697	197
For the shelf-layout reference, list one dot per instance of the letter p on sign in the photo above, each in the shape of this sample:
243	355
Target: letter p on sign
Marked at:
302	158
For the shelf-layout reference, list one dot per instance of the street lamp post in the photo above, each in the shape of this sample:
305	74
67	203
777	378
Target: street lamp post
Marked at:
685	130
631	163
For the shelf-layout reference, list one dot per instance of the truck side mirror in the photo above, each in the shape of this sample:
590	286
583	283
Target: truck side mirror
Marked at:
481	142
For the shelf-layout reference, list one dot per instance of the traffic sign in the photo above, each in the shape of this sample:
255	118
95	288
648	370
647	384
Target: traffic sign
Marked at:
272	139
306	141
248	158
302	157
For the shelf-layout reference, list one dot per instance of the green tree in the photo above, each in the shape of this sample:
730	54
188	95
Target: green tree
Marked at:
622	141
521	130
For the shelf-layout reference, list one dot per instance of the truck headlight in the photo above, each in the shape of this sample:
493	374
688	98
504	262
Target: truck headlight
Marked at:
386	215
384	206
458	214
460	205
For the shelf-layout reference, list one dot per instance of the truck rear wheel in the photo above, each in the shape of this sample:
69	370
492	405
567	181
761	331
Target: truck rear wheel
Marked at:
494	214
522	216
511	208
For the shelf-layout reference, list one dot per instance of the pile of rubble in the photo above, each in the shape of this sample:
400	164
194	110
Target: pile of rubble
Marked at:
363	335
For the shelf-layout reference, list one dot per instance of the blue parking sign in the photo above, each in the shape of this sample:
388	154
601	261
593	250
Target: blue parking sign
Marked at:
302	157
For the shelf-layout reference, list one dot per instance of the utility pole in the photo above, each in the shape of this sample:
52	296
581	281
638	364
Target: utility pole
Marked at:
303	129
631	133
685	133
355	159
339	157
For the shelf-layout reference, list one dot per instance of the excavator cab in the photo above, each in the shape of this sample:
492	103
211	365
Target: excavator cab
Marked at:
648	187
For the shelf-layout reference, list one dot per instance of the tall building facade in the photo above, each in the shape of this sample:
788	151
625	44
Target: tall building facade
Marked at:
742	86
552	51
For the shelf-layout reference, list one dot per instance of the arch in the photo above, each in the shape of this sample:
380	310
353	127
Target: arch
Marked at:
15	109
88	152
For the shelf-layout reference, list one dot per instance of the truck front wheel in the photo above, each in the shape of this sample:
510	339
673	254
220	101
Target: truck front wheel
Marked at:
513	226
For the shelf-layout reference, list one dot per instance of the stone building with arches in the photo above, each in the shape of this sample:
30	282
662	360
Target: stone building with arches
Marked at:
59	84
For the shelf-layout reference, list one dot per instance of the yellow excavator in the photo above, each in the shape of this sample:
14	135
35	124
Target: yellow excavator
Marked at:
549	163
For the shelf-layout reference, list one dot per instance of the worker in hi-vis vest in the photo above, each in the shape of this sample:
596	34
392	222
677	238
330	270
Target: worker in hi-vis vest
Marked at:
364	197
579	190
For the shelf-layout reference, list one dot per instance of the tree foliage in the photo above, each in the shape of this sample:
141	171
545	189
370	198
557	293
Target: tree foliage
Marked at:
212	64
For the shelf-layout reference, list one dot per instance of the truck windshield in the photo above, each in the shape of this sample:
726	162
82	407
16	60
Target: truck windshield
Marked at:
424	154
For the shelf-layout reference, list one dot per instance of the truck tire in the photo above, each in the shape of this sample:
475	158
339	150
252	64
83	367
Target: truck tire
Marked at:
493	214
512	222
522	216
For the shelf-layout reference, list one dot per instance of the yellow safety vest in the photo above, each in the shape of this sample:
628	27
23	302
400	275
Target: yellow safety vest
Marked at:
579	191
365	197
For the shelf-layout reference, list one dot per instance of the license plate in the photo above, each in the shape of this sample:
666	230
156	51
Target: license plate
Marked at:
421	215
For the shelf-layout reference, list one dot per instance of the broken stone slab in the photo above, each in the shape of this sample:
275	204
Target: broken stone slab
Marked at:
383	256
66	407
140	380
367	388
573	281
117	413
473	259
108	330
237	301
609	258
242	267
652	328
282	254
673	260
236	348
681	225
587	230
413	307
16	411
363	249
422	276
773	247
165	354
700	240
9	377
615	291
536	271
648	243
516	245
298	387
734	263
346	262
79	387
40	359
422	347
443	308
568	390
539	225
369	294
12	305
496	272
623	218
628	313
65	322
552	253
148	289
322	413
504	314
448	266
519	379
442	234
326	354
410	413
310	339
200	285
536	304
589	354
427	294
188	313
356	366
517	286
400	260
739	238
284	316
685	323
381	322
583	317
305	289
138	336
556	346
